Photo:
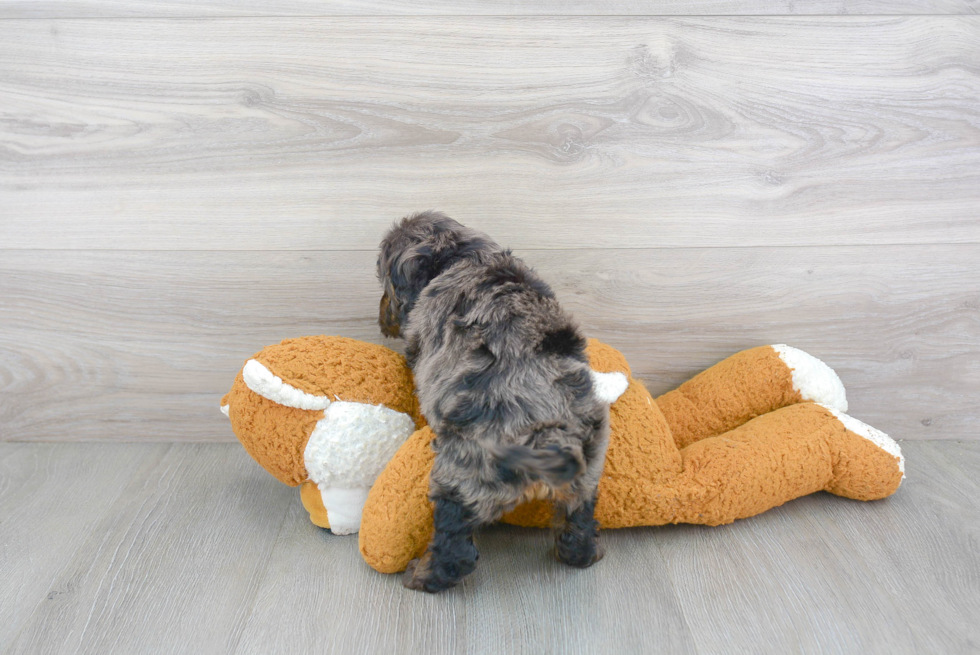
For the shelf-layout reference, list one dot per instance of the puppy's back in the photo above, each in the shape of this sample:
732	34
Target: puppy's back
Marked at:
495	355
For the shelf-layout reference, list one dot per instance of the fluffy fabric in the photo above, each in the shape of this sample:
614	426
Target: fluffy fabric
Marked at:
731	442
353	442
609	386
343	508
874	435
734	441
813	379
346	451
349	373
263	382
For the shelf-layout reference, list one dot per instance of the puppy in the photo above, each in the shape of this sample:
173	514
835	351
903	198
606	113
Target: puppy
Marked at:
504	382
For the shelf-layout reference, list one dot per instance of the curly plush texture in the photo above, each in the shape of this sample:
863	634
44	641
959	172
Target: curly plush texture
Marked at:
343	369
354	442
747	384
735	440
273	434
334	368
732	442
398	511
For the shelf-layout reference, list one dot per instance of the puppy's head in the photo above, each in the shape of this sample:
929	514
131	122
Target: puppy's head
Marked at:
413	252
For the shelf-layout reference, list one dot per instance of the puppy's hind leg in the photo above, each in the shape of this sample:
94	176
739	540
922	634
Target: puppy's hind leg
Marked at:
451	555
577	534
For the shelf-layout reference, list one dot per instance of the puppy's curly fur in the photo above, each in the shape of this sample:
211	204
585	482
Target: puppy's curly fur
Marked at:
504	382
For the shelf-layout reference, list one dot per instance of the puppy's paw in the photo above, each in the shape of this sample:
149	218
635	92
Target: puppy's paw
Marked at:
580	551
412	578
420	575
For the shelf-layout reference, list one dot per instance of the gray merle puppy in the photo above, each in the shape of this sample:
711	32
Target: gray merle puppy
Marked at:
504	382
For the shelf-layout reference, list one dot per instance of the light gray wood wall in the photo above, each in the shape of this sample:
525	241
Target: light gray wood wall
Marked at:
224	8
175	194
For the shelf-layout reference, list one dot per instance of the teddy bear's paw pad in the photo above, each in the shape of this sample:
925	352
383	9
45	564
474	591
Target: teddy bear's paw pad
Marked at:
813	379
866	464
270	386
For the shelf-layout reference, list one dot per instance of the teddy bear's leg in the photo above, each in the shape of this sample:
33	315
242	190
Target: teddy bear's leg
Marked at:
868	468
788	453
309	493
748	384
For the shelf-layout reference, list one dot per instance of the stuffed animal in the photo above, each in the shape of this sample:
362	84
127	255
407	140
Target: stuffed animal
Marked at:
327	413
760	428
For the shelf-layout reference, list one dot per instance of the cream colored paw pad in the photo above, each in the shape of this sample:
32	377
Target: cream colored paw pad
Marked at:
813	379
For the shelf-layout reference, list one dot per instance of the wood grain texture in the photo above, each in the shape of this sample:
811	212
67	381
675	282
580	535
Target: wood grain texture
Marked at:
141	345
205	548
755	582
848	576
313	134
941	514
338	603
184	8
172	564
51	496
519	600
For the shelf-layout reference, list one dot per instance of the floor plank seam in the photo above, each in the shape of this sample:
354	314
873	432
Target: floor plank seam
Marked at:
108	506
260	579
678	600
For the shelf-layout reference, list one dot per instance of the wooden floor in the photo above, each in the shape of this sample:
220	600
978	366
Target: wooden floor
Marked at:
183	182
177	548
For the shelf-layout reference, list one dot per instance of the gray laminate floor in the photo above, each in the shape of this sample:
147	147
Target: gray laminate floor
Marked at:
186	548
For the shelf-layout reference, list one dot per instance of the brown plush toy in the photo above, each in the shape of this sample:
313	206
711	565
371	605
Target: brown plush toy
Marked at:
761	428
327	413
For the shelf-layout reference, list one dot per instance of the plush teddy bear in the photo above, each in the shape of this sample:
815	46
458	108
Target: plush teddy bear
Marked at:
758	429
327	413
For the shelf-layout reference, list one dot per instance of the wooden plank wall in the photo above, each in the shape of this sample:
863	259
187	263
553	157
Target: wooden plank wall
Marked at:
183	183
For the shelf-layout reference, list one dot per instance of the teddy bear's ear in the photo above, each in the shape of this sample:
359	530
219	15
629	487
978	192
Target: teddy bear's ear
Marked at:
273	434
312	372
264	382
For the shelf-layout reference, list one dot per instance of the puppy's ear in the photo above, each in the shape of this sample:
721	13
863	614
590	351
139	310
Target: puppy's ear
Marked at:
411	268
416	250
404	272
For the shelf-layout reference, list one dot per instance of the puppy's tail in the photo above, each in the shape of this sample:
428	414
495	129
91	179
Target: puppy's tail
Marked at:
551	463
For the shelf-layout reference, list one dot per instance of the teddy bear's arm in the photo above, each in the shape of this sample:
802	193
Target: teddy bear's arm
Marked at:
396	523
745	385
